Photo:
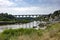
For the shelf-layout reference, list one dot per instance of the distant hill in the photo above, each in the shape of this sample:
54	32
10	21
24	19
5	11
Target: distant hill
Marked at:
55	16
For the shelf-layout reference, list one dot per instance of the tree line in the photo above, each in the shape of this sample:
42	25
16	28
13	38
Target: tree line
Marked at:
9	17
54	15
5	17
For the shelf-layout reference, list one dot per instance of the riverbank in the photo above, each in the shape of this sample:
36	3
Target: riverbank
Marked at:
52	32
13	34
20	25
7	22
13	22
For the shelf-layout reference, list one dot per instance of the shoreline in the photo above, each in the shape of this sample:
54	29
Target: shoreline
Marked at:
10	22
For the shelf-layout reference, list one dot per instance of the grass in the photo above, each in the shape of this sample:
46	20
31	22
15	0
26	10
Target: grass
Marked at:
52	32
8	34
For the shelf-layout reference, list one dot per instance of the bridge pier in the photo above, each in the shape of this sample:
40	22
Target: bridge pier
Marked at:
33	16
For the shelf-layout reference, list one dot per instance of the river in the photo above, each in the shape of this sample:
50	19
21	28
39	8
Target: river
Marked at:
15	26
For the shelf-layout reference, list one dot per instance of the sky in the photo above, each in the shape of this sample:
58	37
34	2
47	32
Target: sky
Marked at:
26	7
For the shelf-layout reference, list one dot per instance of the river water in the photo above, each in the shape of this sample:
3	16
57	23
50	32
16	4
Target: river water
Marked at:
15	26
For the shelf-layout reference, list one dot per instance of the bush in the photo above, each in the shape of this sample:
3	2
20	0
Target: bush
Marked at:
7	34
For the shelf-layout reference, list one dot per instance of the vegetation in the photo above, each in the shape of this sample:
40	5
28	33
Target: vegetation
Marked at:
24	19
52	32
8	34
49	16
6	18
55	14
9	17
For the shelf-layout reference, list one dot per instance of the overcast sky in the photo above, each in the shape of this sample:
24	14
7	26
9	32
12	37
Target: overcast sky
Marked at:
29	6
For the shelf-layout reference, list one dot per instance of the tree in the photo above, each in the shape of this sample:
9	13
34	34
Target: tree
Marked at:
56	13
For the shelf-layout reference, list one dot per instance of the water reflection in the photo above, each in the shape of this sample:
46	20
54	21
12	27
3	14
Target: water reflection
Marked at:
14	26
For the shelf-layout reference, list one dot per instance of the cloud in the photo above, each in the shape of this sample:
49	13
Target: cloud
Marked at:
49	2
28	10
20	3
20	7
6	3
29	3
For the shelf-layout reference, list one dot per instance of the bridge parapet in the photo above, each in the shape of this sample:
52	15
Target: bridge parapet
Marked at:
26	15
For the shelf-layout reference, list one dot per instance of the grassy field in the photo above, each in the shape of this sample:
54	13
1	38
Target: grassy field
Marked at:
52	32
